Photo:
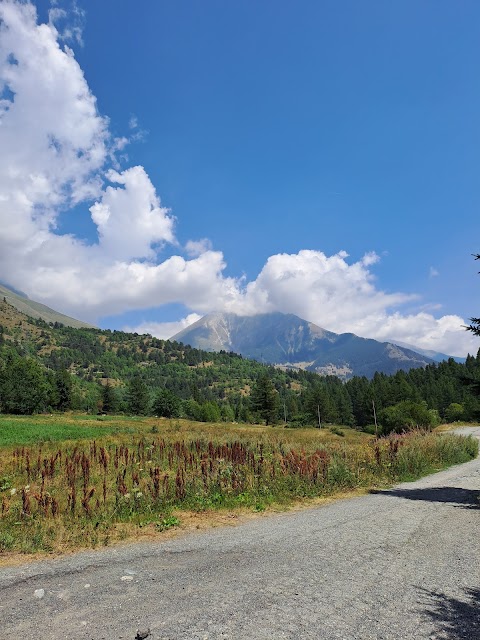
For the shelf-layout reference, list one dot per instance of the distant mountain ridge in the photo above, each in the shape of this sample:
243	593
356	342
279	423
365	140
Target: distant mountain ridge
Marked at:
22	303
290	342
438	356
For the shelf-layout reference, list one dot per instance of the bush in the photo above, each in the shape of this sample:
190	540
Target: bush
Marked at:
371	429
407	415
192	410
300	420
210	412
454	412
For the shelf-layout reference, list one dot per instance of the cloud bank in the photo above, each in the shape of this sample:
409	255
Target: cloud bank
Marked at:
164	330
59	158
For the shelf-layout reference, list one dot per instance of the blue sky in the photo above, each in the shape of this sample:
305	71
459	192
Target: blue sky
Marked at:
281	133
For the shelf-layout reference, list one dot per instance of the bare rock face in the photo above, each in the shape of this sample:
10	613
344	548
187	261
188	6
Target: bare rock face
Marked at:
288	341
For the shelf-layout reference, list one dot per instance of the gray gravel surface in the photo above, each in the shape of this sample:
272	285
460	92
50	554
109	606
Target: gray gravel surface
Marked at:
400	564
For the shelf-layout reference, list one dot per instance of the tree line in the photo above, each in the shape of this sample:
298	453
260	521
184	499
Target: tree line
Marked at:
45	367
421	397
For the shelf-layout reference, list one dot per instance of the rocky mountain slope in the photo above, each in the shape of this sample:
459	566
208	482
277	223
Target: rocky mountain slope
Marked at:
288	341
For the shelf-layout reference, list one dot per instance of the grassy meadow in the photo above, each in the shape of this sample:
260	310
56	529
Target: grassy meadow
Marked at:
70	481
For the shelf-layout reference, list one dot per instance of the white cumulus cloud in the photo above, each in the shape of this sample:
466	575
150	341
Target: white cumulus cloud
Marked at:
314	285
56	148
57	152
129	218
195	248
164	330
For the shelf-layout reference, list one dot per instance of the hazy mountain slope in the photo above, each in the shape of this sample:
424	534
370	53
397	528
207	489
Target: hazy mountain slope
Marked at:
38	310
286	340
438	356
365	356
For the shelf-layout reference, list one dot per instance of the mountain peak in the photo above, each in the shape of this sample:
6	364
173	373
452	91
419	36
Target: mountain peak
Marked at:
288	341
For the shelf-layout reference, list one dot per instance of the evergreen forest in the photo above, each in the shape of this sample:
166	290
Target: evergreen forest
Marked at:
51	367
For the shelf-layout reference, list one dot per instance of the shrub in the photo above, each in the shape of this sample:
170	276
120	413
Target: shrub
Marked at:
407	415
454	412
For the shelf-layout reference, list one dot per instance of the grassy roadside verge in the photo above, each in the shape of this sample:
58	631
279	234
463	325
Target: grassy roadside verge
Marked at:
136	476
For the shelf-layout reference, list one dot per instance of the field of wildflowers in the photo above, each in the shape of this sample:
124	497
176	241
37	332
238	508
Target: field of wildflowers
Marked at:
75	493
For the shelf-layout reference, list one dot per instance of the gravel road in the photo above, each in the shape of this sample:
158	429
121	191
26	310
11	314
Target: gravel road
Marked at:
400	564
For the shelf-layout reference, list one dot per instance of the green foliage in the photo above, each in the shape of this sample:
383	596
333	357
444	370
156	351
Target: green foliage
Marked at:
320	405
407	415
438	385
64	390
414	456
167	405
5	483
53	367
337	431
474	327
138	396
299	421
264	399
7	541
210	412
109	399
454	412
24	386
167	523
227	413
192	410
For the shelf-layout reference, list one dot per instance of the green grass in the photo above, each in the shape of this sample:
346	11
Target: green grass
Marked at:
81	417
32	430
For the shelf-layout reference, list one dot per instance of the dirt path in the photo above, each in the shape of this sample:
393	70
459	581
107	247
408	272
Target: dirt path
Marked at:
401	564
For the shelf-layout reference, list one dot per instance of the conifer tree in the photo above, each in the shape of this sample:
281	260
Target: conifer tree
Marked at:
109	399
63	387
138	396
472	380
264	399
474	327
319	405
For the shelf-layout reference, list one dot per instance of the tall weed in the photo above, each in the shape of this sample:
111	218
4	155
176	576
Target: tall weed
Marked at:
60	495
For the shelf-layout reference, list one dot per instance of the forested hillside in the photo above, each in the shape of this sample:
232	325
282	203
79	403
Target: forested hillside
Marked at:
47	367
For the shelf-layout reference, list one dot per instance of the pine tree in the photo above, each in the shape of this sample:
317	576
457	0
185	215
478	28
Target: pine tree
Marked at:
109	399
474	327
264	399
63	386
319	406
138	397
